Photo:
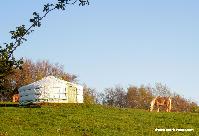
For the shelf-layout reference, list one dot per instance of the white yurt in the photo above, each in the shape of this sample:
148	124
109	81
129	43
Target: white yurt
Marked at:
51	89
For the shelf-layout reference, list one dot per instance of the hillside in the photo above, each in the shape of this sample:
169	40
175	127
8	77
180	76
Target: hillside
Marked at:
72	119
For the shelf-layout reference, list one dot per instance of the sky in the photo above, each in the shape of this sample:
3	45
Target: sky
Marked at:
112	42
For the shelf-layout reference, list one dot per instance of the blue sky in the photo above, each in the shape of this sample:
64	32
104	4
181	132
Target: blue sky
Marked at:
114	42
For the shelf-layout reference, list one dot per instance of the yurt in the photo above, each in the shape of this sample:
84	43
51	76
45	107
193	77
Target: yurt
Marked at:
52	90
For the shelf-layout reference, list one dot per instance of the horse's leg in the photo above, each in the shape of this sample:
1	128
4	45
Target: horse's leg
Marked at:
151	109
169	104
169	108
152	105
13	99
158	108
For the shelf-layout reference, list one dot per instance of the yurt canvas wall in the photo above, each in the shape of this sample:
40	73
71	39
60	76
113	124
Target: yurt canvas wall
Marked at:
51	89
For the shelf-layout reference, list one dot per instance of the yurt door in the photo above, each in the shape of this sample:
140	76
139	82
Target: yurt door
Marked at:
72	94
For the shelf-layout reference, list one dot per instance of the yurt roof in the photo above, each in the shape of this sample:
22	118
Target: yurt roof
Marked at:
46	81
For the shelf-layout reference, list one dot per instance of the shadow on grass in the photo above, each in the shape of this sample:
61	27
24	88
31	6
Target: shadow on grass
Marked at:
17	105
9	105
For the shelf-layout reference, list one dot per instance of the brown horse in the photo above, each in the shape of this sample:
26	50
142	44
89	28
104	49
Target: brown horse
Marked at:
161	101
15	98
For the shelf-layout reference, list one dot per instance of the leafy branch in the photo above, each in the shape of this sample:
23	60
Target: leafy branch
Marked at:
7	60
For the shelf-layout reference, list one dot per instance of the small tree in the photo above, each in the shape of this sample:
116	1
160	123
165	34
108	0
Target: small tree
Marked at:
116	97
139	97
161	90
32	72
132	96
181	104
90	95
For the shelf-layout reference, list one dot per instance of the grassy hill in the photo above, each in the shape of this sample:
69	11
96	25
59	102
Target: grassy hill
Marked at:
88	120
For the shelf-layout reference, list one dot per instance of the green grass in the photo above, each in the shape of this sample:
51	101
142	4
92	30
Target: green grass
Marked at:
88	120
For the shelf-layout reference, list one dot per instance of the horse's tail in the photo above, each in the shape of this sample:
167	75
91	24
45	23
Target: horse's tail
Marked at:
152	104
